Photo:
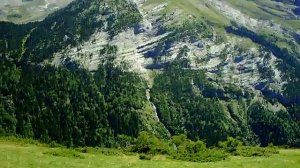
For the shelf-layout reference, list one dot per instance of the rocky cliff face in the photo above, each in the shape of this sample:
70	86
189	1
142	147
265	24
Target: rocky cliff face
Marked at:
150	45
292	2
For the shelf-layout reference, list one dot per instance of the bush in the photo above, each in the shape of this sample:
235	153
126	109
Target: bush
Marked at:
230	145
212	155
197	152
124	140
234	146
179	147
177	140
209	155
54	144
247	151
145	157
84	150
149	144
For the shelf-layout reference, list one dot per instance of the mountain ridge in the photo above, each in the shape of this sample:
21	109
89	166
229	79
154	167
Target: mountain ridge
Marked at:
165	67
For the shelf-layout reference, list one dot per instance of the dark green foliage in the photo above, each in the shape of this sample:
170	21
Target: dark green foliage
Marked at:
124	93
278	128
179	147
124	140
149	144
190	104
248	151
60	105
127	16
145	157
54	144
9	79
197	152
104	151
60	152
11	37
295	112
230	145
178	140
208	155
70	107
235	147
178	95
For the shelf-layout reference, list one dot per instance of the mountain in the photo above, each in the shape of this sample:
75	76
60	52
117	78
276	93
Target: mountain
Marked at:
97	70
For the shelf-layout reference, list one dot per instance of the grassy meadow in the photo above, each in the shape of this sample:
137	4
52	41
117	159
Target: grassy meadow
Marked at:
19	11
26	155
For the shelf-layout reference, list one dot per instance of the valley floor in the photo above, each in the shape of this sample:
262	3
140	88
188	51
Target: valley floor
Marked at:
13	154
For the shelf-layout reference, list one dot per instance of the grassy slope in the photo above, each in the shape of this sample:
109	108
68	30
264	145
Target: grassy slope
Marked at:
254	8
199	9
30	11
14	154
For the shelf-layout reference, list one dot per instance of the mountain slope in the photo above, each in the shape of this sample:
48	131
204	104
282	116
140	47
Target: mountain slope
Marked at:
100	69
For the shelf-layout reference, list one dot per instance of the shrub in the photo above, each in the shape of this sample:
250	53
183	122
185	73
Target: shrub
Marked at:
247	151
197	152
177	140
149	144
235	147
145	157
230	145
124	140
84	150
54	144
212	155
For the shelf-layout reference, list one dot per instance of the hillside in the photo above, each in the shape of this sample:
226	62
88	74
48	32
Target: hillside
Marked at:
100	69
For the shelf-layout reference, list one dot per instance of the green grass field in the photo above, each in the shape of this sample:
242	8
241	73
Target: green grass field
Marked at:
22	155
